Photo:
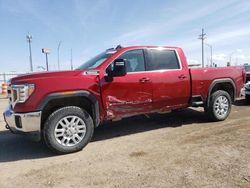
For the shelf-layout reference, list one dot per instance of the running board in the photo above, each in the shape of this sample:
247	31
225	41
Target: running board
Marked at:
196	101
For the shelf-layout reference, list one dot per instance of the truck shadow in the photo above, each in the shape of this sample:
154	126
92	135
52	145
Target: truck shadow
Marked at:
15	147
142	123
241	102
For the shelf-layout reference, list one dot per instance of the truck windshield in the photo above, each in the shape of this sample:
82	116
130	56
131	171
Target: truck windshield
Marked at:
95	61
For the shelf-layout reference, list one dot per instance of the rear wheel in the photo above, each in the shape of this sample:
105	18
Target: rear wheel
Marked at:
219	106
68	129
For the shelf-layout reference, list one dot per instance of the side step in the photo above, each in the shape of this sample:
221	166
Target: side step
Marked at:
196	101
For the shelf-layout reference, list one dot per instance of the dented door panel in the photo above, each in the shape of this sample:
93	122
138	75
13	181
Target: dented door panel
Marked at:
127	95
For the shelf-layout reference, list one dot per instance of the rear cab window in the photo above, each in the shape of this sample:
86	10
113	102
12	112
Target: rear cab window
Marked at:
162	59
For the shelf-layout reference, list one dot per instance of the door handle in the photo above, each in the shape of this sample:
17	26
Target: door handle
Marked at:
182	77
142	80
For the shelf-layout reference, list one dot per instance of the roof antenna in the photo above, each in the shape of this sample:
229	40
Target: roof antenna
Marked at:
118	47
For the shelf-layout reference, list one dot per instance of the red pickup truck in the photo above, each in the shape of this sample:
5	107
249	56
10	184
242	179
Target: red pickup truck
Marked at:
63	108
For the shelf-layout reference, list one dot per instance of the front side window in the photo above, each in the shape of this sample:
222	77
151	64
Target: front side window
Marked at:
134	61
159	59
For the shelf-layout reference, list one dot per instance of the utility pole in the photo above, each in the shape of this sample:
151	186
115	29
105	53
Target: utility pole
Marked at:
71	62
58	54
202	37
231	55
211	53
46	51
29	39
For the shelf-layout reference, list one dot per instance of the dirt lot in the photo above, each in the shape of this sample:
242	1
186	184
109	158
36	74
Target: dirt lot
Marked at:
179	149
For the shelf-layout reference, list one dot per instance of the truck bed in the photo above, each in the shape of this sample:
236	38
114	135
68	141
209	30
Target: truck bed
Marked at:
202	78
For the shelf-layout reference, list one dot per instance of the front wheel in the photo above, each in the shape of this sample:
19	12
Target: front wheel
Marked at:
68	129
219	106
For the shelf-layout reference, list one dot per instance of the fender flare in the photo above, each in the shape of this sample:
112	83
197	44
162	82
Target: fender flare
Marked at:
81	93
219	81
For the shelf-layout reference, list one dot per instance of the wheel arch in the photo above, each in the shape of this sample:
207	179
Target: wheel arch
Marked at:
226	84
83	99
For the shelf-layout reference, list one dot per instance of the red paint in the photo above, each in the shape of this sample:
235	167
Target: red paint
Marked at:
135	93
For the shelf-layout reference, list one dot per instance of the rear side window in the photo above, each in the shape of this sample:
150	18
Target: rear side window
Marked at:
162	59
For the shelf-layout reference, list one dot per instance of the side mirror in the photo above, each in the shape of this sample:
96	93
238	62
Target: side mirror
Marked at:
118	69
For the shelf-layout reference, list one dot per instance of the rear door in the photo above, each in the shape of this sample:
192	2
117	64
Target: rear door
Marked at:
171	82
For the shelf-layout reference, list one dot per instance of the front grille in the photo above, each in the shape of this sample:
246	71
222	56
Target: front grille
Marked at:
9	91
14	91
9	95
12	95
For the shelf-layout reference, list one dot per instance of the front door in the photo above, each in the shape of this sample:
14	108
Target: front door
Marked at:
130	94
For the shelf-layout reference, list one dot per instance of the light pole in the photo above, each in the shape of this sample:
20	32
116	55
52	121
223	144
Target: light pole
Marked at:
29	39
71	60
46	51
58	54
202	37
211	53
230	57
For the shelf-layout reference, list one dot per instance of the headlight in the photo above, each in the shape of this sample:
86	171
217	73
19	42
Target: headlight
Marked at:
22	92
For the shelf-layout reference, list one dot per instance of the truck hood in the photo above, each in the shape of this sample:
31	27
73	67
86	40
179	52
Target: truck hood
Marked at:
43	75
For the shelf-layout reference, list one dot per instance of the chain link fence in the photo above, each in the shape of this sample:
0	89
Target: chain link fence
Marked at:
5	76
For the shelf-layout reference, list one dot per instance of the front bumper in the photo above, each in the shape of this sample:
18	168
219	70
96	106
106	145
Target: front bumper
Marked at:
27	123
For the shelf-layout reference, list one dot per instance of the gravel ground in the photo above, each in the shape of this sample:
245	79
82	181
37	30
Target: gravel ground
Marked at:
180	149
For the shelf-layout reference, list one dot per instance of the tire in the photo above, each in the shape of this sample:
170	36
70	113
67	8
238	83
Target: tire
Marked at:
68	129
219	106
248	99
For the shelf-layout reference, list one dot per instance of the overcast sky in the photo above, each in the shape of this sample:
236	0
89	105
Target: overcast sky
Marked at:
89	27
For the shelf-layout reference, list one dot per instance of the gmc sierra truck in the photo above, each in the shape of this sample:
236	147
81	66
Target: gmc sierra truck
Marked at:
64	108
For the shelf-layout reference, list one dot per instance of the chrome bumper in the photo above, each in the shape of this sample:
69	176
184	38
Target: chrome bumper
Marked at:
23	122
